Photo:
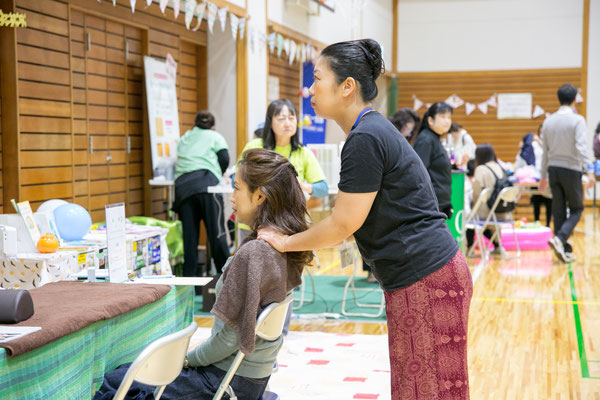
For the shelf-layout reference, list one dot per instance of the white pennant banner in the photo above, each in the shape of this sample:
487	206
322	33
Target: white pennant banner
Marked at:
190	8
469	108
417	103
223	17
537	111
483	107
492	101
199	15
234	21
176	8
212	15
286	46
132	2
242	27
148	2
163	5
292	51
579	97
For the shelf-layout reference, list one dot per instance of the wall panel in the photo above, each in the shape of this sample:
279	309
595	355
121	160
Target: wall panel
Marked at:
476	87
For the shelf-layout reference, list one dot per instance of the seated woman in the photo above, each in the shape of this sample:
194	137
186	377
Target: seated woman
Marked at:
266	194
486	171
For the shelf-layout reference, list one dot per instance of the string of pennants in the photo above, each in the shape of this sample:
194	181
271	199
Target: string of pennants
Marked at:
455	101
198	10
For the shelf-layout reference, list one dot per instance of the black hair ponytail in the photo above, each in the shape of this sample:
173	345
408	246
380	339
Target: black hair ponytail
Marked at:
358	59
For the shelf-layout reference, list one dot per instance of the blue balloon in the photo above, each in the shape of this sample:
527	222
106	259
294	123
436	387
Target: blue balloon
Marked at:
72	221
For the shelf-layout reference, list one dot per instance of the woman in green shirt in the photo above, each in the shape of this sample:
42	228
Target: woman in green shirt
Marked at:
280	134
202	158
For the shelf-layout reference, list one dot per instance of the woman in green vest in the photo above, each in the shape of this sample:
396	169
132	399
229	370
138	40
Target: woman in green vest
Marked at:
280	134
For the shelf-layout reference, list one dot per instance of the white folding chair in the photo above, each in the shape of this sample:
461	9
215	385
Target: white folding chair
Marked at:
302	288
159	363
269	326
474	222
506	195
350	287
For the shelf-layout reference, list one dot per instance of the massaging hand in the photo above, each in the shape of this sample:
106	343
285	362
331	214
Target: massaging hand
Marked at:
274	238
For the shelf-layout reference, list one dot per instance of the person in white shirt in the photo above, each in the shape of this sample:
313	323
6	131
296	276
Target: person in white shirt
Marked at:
461	144
566	155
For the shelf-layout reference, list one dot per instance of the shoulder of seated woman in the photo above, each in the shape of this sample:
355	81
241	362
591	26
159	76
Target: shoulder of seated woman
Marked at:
254	246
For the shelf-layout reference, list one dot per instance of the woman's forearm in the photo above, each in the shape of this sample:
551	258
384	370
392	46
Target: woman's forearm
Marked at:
326	233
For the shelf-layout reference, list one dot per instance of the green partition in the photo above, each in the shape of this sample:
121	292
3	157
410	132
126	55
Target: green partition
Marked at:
458	204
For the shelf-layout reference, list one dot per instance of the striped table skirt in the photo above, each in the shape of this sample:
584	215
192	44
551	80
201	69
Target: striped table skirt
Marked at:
73	367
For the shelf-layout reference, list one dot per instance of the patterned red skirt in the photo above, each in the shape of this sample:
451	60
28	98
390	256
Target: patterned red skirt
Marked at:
427	334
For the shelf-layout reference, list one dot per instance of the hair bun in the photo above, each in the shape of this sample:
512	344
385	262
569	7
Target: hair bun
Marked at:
374	57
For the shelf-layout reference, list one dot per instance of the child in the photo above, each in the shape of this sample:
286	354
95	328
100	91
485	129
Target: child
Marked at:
266	194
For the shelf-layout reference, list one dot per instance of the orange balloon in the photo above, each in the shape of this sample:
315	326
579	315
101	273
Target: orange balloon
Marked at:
48	243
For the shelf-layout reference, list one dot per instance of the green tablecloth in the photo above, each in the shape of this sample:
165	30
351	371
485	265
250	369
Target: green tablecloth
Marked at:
73	367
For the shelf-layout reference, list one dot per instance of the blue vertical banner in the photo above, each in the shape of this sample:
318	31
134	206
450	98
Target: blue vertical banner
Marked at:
313	127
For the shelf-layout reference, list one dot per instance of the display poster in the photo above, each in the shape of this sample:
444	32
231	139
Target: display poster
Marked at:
116	242
514	105
313	126
163	119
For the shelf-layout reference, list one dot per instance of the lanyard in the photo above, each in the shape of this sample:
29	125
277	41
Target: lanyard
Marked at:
363	112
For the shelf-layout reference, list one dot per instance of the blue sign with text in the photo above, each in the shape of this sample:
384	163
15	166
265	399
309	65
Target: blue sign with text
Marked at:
313	127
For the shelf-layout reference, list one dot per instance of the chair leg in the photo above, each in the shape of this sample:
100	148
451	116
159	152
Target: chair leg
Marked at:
159	391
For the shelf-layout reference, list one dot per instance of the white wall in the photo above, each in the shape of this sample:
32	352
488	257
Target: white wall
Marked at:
455	35
222	100
593	84
352	19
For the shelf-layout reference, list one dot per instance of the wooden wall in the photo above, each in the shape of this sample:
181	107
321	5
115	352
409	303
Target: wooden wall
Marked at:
81	99
476	87
289	77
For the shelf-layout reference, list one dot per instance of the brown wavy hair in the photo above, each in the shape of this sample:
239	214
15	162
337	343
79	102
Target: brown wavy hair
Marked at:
284	207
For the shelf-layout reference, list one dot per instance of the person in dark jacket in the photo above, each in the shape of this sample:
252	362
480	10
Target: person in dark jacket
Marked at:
436	122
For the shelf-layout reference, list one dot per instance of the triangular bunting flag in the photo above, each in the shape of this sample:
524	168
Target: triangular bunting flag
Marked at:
132	2
271	41
537	111
292	52
492	101
148	2
190	7
458	101
176	8
200	8
417	103
279	44
163	5
579	97
469	108
427	105
242	27
234	21
483	107
450	101
114	2
222	17
286	46
212	15
303	49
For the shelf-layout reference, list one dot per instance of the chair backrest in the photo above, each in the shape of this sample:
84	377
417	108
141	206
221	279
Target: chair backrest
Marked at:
507	195
159	363
328	157
269	324
482	199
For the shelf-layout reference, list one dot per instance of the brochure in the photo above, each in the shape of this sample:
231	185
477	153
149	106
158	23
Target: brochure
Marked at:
8	333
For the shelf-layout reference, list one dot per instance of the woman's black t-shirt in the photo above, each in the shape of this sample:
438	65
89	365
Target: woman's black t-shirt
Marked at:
405	237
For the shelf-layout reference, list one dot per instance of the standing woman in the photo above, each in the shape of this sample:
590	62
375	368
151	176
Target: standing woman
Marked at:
387	202
280	134
436	122
202	158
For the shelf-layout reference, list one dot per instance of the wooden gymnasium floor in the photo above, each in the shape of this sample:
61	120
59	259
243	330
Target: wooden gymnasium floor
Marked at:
534	327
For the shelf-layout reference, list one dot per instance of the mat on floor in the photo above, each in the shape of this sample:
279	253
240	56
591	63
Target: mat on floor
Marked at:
318	365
